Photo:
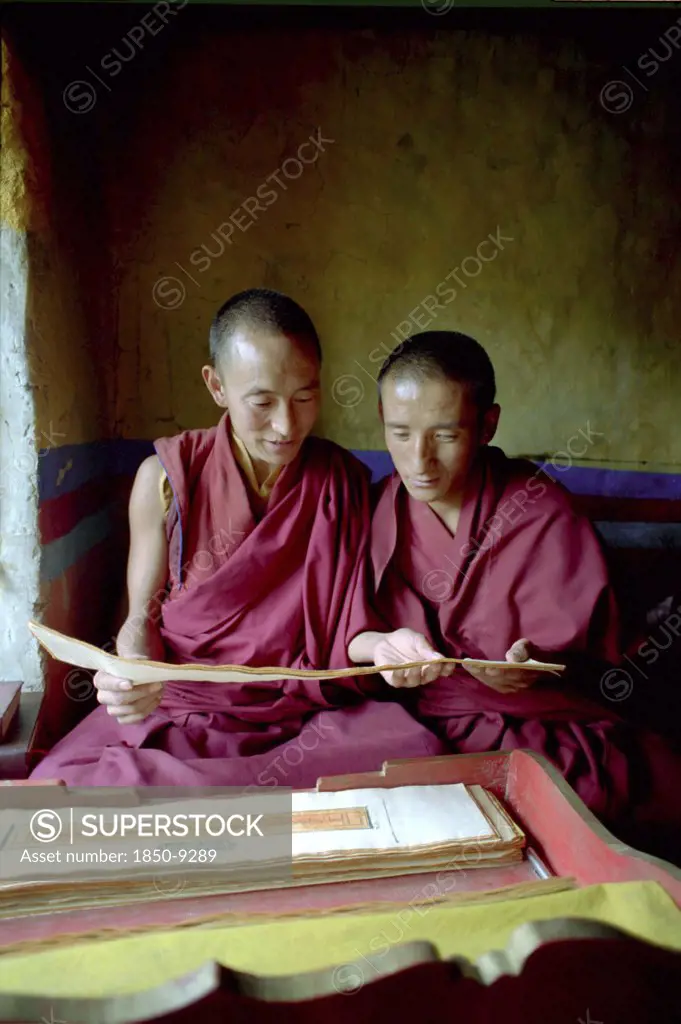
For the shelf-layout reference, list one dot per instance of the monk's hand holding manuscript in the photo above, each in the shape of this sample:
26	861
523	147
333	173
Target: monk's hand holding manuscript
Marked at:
124	700
505	680
406	645
127	701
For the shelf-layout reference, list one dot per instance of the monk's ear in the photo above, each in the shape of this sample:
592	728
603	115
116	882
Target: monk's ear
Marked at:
490	422
212	381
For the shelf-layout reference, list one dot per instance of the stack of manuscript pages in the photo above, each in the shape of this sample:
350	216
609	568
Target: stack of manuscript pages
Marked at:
367	833
321	837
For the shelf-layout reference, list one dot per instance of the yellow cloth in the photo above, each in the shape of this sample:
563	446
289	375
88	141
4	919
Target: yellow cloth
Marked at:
108	967
245	462
241	455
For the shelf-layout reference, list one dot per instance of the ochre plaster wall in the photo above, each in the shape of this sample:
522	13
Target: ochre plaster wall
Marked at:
441	139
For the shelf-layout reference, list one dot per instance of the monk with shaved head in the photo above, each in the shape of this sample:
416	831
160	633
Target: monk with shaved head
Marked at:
481	556
248	546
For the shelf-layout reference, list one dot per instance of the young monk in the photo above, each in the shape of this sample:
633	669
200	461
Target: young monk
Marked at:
482	556
247	547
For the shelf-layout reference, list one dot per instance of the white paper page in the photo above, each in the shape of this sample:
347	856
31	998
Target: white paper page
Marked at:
423	815
402	817
379	837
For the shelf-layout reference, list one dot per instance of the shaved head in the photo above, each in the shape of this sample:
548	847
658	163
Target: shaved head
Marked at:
261	312
444	355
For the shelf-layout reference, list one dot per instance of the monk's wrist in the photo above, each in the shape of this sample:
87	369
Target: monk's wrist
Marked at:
140	638
361	648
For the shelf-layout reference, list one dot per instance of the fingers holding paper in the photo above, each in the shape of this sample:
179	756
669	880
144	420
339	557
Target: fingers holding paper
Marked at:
405	645
505	680
125	701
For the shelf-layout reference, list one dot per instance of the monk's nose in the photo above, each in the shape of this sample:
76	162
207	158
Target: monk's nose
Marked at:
421	456
283	422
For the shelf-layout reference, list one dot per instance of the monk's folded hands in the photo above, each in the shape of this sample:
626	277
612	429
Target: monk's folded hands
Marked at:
126	701
505	680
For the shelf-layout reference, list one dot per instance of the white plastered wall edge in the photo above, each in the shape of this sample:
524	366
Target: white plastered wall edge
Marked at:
19	539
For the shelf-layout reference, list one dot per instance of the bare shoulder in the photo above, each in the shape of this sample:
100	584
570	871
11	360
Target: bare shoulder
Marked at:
145	497
148	556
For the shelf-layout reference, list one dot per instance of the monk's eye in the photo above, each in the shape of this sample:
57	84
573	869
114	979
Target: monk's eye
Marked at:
262	405
400	435
447	437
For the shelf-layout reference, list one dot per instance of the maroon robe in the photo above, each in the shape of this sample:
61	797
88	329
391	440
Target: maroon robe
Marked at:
290	590
521	564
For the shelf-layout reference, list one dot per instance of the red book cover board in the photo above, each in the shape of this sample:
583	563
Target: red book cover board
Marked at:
9	705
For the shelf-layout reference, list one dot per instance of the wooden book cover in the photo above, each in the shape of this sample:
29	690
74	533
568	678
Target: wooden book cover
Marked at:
10	694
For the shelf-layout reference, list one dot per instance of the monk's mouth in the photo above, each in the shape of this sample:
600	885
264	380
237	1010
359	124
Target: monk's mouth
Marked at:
282	445
425	484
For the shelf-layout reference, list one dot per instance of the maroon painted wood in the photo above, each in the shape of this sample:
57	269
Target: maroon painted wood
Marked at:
557	822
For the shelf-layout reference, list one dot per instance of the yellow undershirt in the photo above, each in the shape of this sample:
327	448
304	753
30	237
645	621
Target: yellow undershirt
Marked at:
245	463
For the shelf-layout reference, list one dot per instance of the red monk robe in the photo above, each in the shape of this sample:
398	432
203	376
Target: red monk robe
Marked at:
287	590
522	564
